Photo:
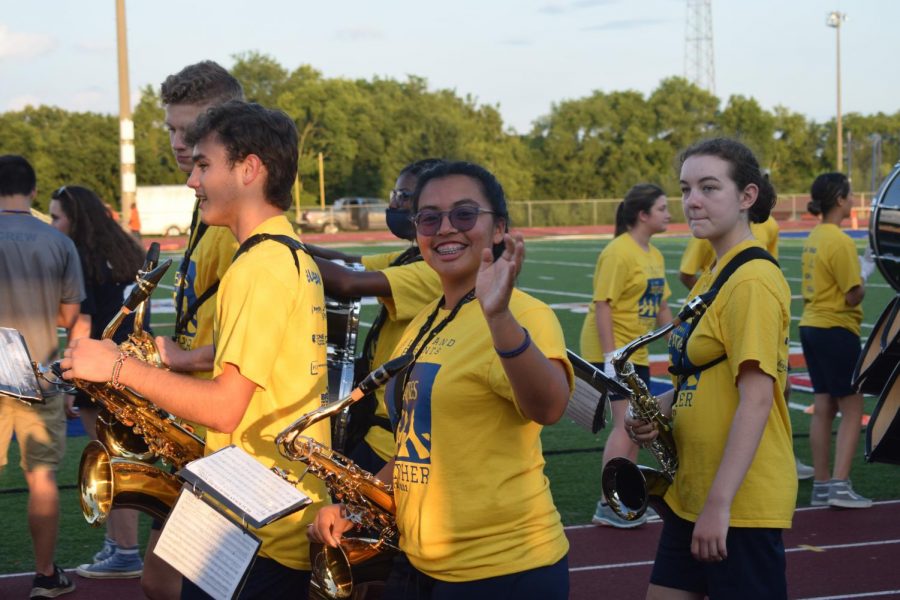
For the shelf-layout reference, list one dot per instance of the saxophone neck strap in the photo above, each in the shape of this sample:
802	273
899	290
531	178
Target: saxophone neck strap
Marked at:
683	371
198	228
291	243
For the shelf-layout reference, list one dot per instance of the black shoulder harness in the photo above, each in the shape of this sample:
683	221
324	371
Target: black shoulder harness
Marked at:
683	371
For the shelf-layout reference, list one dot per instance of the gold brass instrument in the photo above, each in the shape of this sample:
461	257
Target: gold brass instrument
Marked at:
368	501
628	487
108	482
117	470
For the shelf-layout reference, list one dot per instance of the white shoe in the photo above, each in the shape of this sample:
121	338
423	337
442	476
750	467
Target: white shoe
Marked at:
841	495
804	471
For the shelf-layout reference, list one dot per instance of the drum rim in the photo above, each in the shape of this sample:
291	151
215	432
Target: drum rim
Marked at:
876	210
869	450
859	374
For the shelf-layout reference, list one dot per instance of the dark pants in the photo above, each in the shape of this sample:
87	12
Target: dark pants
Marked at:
543	583
267	580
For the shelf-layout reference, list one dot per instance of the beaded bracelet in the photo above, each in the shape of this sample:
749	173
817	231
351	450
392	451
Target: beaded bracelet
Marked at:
517	351
116	371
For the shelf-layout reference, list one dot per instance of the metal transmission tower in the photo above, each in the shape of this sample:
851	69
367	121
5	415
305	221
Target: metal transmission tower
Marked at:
699	60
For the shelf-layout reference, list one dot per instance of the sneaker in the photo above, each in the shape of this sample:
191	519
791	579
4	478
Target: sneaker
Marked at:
117	566
652	515
108	549
804	471
604	515
842	495
819	495
51	586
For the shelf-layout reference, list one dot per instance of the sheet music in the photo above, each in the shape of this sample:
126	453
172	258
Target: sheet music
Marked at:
245	485
17	377
206	547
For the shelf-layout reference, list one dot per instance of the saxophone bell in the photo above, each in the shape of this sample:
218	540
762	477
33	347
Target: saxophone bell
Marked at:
369	501
627	487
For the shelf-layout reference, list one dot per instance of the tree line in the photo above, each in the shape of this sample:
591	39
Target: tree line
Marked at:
597	146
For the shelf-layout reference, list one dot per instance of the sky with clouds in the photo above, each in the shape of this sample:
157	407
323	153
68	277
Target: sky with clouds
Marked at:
521	55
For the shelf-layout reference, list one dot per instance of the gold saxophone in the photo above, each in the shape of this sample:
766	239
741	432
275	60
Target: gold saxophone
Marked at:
116	471
630	488
368	501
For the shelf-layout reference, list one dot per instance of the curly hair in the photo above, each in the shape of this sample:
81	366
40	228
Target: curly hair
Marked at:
104	247
248	128
205	82
744	171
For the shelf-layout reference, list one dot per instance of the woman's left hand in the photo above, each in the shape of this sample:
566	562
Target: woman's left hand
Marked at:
497	278
710	531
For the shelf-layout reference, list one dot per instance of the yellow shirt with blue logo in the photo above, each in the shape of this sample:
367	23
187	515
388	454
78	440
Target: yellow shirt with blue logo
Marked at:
830	270
633	281
748	321
472	498
270	324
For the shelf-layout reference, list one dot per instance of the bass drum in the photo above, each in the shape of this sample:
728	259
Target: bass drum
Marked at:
883	432
881	353
879	368
884	228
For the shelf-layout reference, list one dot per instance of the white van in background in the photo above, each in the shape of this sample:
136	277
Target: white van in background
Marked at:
165	209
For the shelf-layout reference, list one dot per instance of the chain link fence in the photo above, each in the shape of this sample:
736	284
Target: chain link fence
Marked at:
561	213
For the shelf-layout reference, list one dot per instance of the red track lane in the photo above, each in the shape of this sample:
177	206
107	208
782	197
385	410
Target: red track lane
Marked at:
831	554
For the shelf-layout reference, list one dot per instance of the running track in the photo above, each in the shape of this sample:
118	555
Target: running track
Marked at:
831	554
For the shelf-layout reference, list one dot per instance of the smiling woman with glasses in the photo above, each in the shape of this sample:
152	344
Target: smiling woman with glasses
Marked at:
488	370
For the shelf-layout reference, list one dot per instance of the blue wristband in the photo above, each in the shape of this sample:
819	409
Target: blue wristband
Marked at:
517	351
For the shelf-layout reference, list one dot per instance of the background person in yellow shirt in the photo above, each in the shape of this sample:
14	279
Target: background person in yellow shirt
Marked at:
404	285
833	290
735	488
245	160
474	509
629	299
185	96
700	256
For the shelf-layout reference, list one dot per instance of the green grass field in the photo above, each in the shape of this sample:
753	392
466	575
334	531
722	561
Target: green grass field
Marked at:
556	271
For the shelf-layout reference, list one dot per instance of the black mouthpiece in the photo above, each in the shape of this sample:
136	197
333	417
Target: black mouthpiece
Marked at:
145	286
152	259
382	374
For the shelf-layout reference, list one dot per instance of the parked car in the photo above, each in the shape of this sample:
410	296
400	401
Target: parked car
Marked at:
349	213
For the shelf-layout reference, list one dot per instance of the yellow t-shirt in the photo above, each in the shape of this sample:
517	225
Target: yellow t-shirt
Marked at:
208	264
379	262
472	498
270	324
767	234
700	256
413	287
830	270
633	281
749	320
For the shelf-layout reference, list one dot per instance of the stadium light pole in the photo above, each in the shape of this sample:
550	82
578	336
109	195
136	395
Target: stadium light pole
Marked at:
834	19
126	125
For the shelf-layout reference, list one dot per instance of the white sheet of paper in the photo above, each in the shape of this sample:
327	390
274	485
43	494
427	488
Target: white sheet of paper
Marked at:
206	547
246	483
16	375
